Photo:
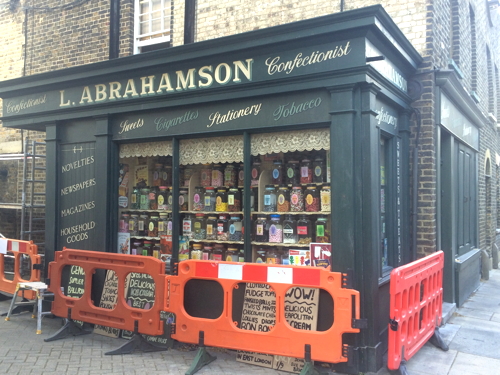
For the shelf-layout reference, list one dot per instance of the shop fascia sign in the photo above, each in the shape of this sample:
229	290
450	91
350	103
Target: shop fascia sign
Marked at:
386	68
307	60
286	109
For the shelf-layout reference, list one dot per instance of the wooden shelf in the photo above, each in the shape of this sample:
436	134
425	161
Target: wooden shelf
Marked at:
292	213
217	241
213	212
149	211
280	244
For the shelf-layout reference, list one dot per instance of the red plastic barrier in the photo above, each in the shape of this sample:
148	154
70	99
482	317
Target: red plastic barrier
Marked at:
19	249
122	316
416	293
281	339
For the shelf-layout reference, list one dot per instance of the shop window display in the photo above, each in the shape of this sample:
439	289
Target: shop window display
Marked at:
290	196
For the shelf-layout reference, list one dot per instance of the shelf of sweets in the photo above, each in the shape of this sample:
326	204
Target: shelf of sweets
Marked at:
138	210
280	244
291	213
298	184
213	212
217	241
145	238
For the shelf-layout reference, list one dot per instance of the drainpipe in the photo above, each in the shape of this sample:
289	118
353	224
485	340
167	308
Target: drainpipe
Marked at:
415	186
189	21
114	29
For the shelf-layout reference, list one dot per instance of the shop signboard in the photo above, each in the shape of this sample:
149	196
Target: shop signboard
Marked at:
387	117
180	77
456	122
298	108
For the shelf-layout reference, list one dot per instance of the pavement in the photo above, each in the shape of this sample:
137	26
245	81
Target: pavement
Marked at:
472	333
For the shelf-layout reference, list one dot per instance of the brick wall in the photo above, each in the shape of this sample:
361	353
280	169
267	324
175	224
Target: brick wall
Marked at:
126	27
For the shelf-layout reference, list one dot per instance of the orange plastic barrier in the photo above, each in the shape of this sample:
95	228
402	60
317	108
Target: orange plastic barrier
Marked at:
416	293
122	316
19	249
281	339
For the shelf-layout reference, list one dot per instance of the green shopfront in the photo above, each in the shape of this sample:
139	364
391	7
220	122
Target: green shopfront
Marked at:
306	124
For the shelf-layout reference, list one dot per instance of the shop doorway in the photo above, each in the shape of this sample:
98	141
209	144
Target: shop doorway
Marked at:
466	200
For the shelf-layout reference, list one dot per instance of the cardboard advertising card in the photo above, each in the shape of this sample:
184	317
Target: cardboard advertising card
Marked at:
141	176
123	243
259	314
301	312
321	254
123	186
300	257
108	301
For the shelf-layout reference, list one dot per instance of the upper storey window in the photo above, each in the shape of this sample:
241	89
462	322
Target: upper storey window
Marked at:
153	20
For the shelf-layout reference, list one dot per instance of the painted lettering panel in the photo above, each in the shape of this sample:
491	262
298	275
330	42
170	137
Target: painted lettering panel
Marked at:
77	192
216	72
387	117
292	109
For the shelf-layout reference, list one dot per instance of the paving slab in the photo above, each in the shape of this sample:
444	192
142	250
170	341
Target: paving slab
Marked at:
474	313
474	365
495	317
477	337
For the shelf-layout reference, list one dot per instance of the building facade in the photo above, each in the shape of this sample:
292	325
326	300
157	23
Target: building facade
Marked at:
414	108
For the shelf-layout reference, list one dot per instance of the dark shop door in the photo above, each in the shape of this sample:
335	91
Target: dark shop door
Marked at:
466	199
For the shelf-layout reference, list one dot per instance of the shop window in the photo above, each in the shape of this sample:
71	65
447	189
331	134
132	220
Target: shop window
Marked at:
289	192
390	202
153	20
291	186
145	199
384	171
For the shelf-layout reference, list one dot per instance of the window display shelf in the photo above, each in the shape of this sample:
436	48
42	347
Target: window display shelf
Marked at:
280	244
139	210
145	238
292	213
217	241
212	212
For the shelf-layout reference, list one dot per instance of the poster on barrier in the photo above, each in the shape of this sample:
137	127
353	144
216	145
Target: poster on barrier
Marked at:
75	285
140	294
259	314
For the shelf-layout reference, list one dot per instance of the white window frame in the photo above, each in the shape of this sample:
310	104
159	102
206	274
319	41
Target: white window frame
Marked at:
142	40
